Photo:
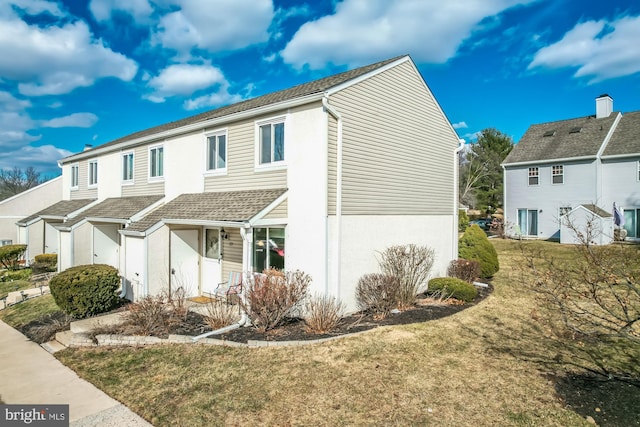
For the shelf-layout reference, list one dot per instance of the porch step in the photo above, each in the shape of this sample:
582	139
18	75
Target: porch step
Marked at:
64	338
53	346
70	339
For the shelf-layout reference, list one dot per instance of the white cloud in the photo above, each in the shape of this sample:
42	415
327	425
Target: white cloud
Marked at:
600	49
187	79
227	26
76	120
41	158
460	125
140	10
30	7
55	60
10	103
13	130
362	31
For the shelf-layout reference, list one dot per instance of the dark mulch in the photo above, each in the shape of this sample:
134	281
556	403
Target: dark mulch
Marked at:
294	329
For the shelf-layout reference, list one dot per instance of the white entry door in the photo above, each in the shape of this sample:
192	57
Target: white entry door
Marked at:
50	239
185	261
106	244
212	260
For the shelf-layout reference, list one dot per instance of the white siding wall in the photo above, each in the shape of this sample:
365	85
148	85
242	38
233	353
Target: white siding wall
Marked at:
109	176
141	185
83	192
579	187
183	165
621	185
158	261
82	244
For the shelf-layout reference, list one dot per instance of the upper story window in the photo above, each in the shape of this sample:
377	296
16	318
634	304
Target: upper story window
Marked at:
638	174
217	152
564	210
156	162
557	174
93	173
271	142
75	169
534	176
127	167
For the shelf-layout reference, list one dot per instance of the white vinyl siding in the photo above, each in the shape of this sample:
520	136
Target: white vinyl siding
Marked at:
231	253
141	167
398	147
332	165
82	189
278	212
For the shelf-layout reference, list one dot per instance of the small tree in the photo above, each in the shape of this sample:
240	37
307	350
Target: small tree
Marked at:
411	265
474	245
11	255
463	220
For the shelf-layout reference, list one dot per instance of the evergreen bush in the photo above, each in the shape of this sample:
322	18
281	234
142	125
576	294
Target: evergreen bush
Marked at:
463	220
475	245
86	290
453	287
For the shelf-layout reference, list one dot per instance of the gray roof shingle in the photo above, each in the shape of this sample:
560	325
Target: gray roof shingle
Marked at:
310	88
597	210
116	208
564	140
626	137
58	210
235	206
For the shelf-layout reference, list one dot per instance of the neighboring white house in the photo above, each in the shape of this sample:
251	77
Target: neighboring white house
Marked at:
320	177
558	166
19	206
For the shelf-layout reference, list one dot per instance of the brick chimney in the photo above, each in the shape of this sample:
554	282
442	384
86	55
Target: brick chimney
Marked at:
604	106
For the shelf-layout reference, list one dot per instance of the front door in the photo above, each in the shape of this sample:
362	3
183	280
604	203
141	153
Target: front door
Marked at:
212	260
185	261
106	244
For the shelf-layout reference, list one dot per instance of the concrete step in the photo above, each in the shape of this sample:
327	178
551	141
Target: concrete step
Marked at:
65	338
18	296
53	346
70	339
87	325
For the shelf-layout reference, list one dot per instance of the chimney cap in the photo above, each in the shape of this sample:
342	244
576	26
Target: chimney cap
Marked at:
604	95
87	147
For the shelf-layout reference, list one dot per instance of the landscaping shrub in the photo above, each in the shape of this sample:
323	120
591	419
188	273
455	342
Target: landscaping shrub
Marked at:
474	245
465	269
410	264
273	296
22	274
45	263
220	314
323	314
11	255
148	316
456	288
463	220
378	293
86	290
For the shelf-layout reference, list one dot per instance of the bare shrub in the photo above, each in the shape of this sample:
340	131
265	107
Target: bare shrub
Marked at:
378	293
148	316
464	269
220	314
323	314
411	264
177	303
273	296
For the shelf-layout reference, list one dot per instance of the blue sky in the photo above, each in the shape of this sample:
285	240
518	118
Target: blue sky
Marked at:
87	72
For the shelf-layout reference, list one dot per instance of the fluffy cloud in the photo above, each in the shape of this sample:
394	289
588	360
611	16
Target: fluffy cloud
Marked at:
30	7
187	79
55	60
42	158
600	49
460	125
361	31
230	25
76	120
140	10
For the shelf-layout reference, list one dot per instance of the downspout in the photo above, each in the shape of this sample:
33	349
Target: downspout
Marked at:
338	258
456	192
504	201
243	316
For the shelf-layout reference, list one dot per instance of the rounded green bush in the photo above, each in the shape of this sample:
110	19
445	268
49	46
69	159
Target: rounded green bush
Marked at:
475	245
455	288
86	290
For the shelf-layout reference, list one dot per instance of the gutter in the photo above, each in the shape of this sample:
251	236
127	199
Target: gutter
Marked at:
546	161
338	117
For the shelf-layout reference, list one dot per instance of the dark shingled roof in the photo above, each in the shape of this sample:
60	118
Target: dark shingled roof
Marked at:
236	206
563	144
626	137
117	208
305	89
60	210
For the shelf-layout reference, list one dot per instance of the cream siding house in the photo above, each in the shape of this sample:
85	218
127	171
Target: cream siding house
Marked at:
320	177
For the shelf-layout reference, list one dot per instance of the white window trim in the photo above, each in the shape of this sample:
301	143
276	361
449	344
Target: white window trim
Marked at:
89	184
133	168
218	171
150	178
529	177
638	171
282	164
554	175
77	167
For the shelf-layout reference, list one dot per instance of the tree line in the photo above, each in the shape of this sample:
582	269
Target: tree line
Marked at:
15	181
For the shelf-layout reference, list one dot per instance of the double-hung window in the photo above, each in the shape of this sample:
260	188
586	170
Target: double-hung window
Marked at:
271	142
127	167
93	173
75	169
156	162
534	176
557	174
217	152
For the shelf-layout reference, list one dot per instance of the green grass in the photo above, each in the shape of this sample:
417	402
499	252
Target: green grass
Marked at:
22	313
485	366
16	285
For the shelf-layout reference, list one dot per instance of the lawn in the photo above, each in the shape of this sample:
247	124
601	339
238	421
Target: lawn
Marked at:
487	365
16	285
25	312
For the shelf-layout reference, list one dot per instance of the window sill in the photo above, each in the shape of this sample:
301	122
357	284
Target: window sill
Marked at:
270	167
215	172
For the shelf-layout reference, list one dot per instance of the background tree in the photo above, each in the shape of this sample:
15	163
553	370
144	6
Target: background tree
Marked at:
15	181
480	170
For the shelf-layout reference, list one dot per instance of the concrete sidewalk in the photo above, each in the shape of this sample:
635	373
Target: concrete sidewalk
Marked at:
30	375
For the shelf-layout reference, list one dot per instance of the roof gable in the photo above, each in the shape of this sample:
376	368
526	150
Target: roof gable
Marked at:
58	210
116	208
626	137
